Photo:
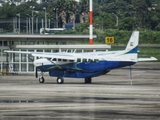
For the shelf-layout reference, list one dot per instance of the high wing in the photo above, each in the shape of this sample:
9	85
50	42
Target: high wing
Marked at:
19	52
59	55
55	55
107	55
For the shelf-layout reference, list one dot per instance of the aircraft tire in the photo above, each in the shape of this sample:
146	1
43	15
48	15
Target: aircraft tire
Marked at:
88	80
41	80
60	80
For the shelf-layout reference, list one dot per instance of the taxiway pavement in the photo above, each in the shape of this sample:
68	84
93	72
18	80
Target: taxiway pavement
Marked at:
110	96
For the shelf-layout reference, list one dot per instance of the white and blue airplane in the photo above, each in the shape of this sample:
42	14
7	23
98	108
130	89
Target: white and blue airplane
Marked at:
85	65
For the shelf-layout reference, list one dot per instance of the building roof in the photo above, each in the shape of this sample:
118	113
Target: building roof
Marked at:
12	37
69	47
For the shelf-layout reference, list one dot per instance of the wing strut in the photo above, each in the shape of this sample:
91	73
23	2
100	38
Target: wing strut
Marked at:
54	63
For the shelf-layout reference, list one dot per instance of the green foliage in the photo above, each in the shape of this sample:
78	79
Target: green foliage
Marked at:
120	36
128	23
104	21
149	37
132	14
7	11
149	52
82	28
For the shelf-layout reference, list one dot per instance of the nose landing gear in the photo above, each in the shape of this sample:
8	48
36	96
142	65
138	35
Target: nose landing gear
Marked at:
41	78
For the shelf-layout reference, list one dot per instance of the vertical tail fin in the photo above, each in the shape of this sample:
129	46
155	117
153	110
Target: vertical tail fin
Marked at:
131	51
133	42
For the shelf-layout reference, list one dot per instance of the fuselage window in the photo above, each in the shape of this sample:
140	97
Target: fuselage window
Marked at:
71	60
84	60
78	59
59	59
54	59
90	60
64	60
96	60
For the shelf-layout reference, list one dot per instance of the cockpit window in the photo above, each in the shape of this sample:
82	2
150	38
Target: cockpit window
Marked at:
49	59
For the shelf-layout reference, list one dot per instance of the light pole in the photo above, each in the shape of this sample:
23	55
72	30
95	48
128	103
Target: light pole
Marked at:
19	22
29	25
116	19
56	21
45	17
49	23
26	25
14	24
31	17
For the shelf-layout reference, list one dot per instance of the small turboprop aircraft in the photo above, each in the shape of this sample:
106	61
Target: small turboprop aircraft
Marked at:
85	65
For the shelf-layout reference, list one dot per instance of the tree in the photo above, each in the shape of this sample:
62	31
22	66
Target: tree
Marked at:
141	10
104	21
7	10
128	23
153	16
83	10
66	10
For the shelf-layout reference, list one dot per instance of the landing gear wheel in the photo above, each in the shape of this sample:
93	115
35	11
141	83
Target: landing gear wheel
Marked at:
88	80
41	80
60	80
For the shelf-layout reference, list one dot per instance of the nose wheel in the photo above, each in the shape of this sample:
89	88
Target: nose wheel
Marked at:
41	78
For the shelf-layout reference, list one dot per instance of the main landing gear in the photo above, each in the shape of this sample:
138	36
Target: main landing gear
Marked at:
60	80
41	79
88	80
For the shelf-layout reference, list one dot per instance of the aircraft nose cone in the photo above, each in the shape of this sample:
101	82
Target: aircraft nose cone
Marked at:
40	62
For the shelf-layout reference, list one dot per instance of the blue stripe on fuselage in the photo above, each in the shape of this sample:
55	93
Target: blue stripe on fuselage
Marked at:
90	69
84	69
102	65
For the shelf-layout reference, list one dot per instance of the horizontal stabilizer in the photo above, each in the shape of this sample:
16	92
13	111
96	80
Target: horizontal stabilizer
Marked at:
147	59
